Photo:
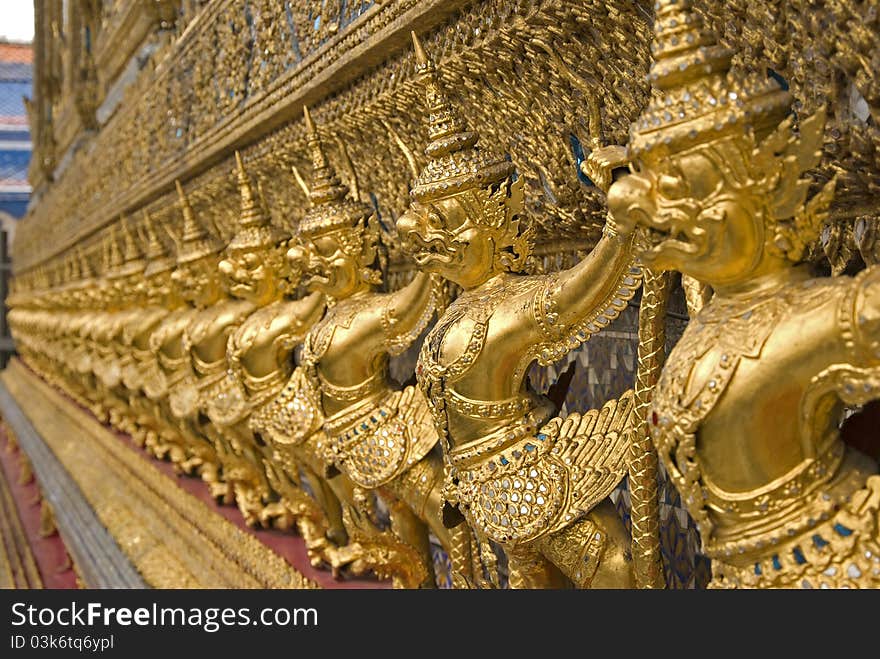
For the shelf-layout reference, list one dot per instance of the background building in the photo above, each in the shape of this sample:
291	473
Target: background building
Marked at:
16	63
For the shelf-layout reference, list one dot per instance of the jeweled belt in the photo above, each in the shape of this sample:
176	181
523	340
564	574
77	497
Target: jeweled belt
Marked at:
231	400
522	492
527	480
840	549
293	415
479	409
372	385
787	507
379	440
780	494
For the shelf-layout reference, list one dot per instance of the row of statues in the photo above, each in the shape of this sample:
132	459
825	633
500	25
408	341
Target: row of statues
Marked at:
283	402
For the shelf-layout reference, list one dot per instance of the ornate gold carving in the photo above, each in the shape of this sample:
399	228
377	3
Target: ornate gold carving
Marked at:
745	412
376	436
172	537
515	482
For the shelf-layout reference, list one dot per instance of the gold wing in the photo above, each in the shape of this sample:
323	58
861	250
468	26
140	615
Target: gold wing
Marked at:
594	449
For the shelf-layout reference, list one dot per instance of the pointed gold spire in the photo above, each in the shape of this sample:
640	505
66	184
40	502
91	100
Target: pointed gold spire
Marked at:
250	210
105	254
132	252
67	269
115	254
455	162
421	58
191	228
127	260
702	99
255	229
332	206
326	186
85	267
153	249
155	253
73	272
194	242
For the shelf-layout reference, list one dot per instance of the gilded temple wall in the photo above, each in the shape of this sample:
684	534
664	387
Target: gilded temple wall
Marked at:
540	79
131	97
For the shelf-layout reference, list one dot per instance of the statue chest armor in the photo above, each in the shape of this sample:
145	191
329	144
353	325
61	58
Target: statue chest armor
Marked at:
323	340
257	367
701	376
167	340
136	334
327	344
207	336
451	354
514	483
254	346
379	433
138	331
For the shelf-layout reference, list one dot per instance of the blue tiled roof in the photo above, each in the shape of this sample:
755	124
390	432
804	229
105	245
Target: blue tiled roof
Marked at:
15	71
11	93
13	165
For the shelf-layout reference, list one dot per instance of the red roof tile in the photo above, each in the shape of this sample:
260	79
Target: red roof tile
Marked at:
22	53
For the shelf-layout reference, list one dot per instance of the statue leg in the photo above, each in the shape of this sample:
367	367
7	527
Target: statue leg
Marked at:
593	552
528	568
412	531
240	473
421	488
329	503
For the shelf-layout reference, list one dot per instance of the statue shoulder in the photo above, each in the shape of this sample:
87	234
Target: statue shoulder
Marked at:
860	315
233	312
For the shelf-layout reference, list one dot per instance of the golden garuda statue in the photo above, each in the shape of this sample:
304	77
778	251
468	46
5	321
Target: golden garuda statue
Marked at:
204	390
746	413
120	297
533	482
195	282
379	437
127	286
259	361
160	300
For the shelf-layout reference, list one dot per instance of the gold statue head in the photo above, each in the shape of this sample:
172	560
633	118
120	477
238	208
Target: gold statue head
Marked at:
464	220
196	276
79	288
337	240
716	169
254	262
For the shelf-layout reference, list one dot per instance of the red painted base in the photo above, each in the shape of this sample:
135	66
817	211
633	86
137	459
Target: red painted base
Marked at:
49	553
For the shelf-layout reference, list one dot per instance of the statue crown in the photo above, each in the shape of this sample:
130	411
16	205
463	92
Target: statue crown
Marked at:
455	162
332	205
155	253
255	229
194	242
704	101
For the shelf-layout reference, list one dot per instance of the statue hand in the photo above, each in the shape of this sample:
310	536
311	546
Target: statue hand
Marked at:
601	163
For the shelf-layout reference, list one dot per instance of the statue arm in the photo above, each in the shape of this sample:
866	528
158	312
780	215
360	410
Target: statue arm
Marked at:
407	312
576	303
305	312
863	317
